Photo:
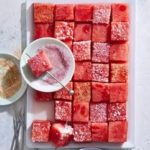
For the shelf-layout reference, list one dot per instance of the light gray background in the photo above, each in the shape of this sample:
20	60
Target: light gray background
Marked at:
10	41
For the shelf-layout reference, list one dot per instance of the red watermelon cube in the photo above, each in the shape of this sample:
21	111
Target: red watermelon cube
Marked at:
81	111
118	92
82	91
119	73
98	112
43	30
99	132
64	12
101	13
68	43
83	71
100	52
82	50
100	92
120	12
118	131
64	30
63	93
43	13
116	111
61	134
40	131
83	12
39	63
100	72
101	33
82	32
119	52
119	31
82	132
42	96
63	110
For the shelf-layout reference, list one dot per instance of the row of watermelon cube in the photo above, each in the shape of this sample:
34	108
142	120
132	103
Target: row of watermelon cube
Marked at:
61	134
97	13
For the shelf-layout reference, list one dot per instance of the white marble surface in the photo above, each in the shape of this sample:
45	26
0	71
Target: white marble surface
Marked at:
10	41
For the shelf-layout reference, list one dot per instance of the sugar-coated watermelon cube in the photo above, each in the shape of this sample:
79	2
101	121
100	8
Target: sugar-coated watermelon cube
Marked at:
42	96
40	130
119	52
63	93
100	72
101	13
98	112
100	52
68	43
81	111
101	33
63	110
83	12
82	132
43	13
118	131
119	31
99	132
119	72
118	92
82	32
64	30
116	111
82	91
100	92
120	12
64	12
82	50
83	71
39	63
43	30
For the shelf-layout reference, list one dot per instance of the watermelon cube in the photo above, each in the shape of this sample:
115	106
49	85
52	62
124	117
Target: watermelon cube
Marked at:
117	111
40	130
99	132
118	131
63	110
43	13
39	63
83	71
43	30
64	30
100	52
120	12
101	13
101	33
82	91
82	50
63	93
82	32
119	31
82	132
81	111
68	43
64	12
119	52
83	12
98	112
61	134
118	92
42	96
119	73
100	72
100	92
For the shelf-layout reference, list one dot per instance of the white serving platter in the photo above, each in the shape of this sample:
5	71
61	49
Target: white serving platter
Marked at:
45	110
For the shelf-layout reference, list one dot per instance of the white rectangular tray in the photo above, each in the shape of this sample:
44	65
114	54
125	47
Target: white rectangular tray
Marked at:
44	110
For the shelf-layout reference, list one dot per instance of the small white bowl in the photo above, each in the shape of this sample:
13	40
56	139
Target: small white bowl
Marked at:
20	92
37	83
